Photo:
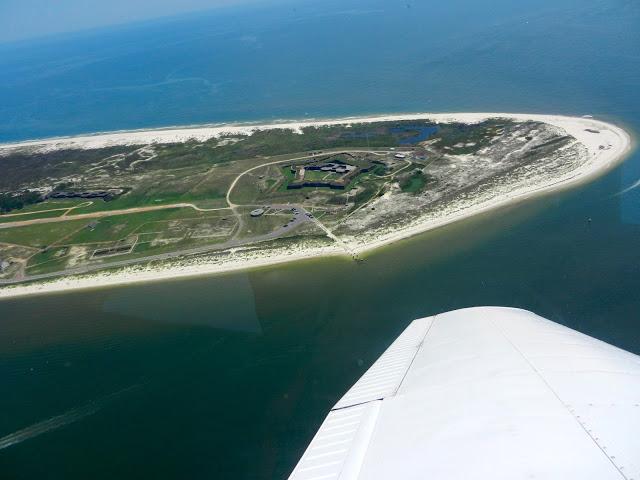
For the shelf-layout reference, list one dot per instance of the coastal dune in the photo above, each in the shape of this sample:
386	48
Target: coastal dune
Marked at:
606	144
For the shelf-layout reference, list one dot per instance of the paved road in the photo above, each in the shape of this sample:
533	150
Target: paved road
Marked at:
288	160
105	213
110	213
234	206
297	220
302	216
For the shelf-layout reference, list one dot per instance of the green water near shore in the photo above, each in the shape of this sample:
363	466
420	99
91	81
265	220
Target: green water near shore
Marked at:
229	376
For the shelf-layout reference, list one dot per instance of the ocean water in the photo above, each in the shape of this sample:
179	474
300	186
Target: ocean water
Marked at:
326	59
230	376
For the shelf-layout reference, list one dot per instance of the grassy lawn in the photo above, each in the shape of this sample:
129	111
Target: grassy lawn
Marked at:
52	256
414	184
289	177
38	266
31	216
118	227
319	176
201	173
42	235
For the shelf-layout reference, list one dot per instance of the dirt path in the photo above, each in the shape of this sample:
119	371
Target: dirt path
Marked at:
288	160
66	211
300	216
105	213
234	206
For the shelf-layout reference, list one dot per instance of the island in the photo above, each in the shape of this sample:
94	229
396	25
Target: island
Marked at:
145	205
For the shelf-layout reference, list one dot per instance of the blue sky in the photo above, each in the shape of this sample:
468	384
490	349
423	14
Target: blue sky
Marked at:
22	19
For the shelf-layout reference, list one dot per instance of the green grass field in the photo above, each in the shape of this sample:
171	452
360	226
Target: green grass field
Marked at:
201	173
31	216
41	235
414	184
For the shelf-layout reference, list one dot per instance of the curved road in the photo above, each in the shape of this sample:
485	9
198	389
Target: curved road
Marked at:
300	216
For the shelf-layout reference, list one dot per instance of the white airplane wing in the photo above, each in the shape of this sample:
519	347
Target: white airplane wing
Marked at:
485	393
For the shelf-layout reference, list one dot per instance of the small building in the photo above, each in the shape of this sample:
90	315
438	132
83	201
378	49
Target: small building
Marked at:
258	212
4	264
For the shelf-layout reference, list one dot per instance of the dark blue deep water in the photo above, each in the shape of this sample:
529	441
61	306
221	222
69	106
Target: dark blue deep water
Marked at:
228	377
323	59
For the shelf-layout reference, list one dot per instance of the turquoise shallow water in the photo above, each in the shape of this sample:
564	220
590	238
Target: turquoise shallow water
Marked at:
229	376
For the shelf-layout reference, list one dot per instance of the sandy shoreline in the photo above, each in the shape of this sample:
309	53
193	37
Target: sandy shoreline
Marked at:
606	149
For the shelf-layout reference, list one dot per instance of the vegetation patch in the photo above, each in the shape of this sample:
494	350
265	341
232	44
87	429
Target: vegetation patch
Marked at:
120	205
9	202
413	183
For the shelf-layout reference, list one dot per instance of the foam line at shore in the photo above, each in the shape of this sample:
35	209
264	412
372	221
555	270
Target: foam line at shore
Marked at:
606	149
205	132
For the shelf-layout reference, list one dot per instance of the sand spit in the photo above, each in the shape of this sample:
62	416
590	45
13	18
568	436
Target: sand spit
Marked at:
606	144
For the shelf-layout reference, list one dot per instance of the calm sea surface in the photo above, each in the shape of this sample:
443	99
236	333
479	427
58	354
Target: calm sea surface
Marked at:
229	376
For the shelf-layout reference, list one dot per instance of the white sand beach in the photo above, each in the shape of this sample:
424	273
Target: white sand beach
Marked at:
607	145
